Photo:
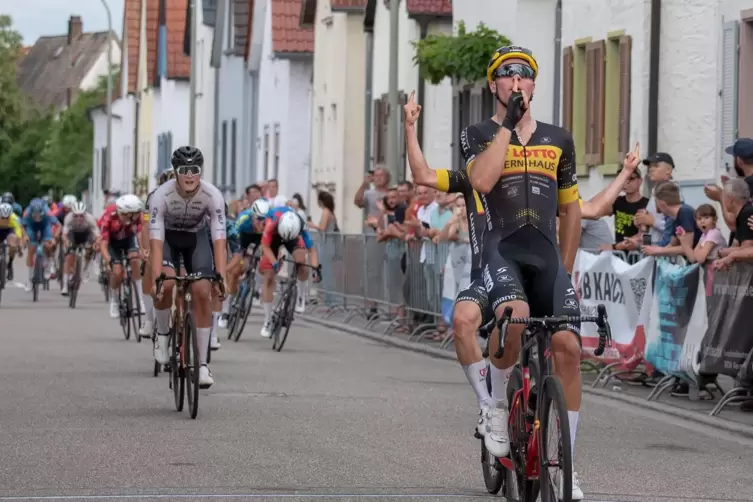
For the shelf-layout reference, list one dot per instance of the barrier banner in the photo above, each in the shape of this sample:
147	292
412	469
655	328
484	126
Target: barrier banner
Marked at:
677	320
449	292
729	337
609	280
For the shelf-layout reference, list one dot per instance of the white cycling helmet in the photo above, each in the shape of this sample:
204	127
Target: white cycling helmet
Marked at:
78	207
5	210
260	208
69	201
128	204
289	227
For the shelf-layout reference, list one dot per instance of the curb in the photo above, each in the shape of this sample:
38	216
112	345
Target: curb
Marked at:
692	416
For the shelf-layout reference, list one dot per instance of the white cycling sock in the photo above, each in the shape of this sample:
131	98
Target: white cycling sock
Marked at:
162	319
268	309
572	417
500	379
202	337
476	375
140	289
302	287
31	274
113	296
226	306
149	307
215	320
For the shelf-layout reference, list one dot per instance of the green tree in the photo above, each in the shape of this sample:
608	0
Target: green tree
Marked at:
22	127
66	160
462	57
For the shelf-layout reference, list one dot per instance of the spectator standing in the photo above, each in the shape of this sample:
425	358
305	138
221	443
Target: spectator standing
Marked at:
660	167
711	241
624	209
595	234
742	151
736	201
390	232
300	208
679	215
329	245
457	234
405	192
253	192
273	196
433	221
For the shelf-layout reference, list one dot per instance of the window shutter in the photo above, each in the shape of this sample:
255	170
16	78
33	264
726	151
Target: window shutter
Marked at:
476	106
403	100
728	94
594	103
623	141
376	132
567	88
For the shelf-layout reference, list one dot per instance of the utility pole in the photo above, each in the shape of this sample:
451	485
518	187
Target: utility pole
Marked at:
108	160
194	73
392	128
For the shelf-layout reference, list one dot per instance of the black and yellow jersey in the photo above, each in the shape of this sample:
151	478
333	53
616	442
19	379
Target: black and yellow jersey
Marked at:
13	224
536	178
459	182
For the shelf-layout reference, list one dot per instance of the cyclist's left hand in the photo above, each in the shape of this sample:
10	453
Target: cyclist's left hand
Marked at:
219	287
276	266
317	274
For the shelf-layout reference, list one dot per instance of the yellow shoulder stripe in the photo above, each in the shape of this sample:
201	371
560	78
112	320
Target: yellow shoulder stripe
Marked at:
443	180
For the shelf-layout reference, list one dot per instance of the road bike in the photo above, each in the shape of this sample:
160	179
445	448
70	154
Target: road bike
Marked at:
39	277
3	267
129	304
75	281
240	308
59	261
183	341
525	473
104	279
283	314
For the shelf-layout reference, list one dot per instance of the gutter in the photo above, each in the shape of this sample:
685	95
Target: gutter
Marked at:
216	129
556	102
423	24
653	76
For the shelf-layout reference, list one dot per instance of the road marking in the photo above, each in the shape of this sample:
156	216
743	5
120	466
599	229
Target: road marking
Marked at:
143	496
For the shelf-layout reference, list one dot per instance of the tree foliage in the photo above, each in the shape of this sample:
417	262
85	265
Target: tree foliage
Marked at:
462	57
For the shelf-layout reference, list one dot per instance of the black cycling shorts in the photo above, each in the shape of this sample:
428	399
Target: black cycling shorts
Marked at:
193	250
120	249
476	293
77	239
526	266
248	239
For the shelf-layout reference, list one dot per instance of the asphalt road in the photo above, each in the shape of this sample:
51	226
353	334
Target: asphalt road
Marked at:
332	417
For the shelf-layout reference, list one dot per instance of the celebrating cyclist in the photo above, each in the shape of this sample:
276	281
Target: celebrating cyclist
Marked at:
526	171
38	223
283	227
79	229
180	212
119	243
10	232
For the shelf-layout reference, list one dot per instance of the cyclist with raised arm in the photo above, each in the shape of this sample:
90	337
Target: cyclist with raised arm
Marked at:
249	226
79	229
472	309
119	244
283	227
525	170
187	220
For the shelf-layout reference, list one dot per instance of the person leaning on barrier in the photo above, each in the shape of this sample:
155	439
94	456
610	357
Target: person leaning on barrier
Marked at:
736	201
680	216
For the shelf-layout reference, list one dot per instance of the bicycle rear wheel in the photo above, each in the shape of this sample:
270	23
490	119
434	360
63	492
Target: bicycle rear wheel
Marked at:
245	306
554	419
38	277
192	364
125	324
3	269
74	283
177	376
134	309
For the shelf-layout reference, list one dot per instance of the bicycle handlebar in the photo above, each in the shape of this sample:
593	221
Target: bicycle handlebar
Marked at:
191	278
551	323
302	264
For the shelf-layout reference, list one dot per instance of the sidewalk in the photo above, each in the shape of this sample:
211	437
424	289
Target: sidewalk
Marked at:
730	418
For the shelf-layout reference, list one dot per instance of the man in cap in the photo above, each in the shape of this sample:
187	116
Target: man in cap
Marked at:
742	151
660	167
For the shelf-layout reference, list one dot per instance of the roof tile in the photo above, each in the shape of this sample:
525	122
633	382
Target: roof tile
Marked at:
287	34
178	64
131	21
429	7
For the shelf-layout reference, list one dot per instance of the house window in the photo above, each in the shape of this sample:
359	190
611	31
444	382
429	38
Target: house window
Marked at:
277	151
266	152
233	156
230	27
223	179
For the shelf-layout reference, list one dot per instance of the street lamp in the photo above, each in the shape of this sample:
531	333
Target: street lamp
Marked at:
109	89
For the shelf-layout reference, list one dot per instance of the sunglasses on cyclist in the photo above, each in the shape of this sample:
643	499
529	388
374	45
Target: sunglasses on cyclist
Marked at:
512	69
188	170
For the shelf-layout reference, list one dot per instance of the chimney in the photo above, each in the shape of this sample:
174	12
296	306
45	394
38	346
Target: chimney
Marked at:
75	28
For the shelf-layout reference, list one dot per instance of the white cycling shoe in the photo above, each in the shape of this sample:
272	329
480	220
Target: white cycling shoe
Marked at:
496	438
577	492
205	377
266	330
214	343
300	306
114	311
147	329
161	354
222	321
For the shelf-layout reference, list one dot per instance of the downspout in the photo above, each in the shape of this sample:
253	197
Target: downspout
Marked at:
653	77
423	25
557	63
216	131
136	113
254	98
368	95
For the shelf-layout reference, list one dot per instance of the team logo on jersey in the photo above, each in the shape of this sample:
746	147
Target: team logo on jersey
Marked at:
546	140
537	159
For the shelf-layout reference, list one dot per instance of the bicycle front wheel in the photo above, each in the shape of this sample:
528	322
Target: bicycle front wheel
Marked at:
284	319
245	305
555	455
192	364
123	302
177	375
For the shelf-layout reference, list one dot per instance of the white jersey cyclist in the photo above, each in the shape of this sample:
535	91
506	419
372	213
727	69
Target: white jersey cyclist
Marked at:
170	211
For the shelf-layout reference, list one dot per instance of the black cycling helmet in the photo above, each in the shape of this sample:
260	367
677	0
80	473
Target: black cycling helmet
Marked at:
8	198
187	156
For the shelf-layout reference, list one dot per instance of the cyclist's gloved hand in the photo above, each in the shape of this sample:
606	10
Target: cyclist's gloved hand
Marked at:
276	266
515	110
317	274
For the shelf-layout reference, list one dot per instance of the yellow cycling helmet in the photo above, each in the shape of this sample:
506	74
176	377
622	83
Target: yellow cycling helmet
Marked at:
510	52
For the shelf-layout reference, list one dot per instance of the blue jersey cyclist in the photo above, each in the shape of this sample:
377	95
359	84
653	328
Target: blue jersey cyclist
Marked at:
283	227
38	223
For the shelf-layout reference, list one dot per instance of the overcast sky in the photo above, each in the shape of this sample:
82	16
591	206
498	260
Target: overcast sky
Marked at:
36	18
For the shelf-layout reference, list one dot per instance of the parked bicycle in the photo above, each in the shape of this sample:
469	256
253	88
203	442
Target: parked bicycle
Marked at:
129	305
283	314
240	308
183	342
535	411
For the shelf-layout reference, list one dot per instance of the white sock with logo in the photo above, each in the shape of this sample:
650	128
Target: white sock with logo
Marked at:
476	375
500	379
